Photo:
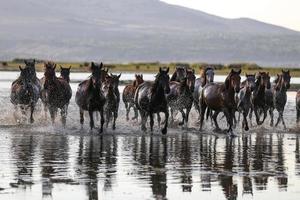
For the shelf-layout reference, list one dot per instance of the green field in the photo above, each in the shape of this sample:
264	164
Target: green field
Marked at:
153	67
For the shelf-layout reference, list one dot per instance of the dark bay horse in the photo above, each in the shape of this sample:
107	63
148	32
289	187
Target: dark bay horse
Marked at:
180	96
244	98
206	76
298	106
25	91
65	73
111	92
280	97
150	98
221	98
128	96
258	99
90	97
179	73
58	93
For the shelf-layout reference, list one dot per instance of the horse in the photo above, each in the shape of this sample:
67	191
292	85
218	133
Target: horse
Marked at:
110	90
244	98
298	106
90	97
258	98
25	91
207	76
179	73
65	73
280	97
221	98
181	96
128	96
150	98
58	93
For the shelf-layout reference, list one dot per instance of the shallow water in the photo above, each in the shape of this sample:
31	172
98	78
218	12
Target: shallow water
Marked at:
42	161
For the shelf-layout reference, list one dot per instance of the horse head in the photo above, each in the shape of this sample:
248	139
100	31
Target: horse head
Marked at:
250	81
49	73
65	73
96	74
190	79
286	78
113	80
263	79
233	80
207	75
31	65
104	73
162	79
138	80
180	73
26	78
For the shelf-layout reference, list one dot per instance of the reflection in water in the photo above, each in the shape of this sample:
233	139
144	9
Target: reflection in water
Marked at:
246	165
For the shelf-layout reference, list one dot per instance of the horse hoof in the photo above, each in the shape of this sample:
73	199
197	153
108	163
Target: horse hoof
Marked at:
217	130
144	129
31	121
246	128
101	130
180	123
164	131
114	127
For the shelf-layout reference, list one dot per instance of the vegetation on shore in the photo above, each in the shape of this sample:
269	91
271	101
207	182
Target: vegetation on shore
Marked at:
151	67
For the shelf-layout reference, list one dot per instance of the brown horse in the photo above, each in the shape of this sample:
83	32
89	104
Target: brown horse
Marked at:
150	98
280	97
258	99
111	93
181	96
128	96
65	73
58	93
25	91
221	98
90	97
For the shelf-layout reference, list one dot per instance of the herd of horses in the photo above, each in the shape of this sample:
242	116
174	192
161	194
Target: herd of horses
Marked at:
99	94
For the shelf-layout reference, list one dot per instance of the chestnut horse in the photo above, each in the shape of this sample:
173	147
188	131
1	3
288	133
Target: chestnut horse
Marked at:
181	96
280	97
150	98
58	93
221	98
112	96
25	91
90	97
128	96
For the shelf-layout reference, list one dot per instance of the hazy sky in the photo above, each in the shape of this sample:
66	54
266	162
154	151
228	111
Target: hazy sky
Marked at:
280	12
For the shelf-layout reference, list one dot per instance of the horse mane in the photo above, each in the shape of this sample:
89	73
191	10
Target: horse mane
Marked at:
203	75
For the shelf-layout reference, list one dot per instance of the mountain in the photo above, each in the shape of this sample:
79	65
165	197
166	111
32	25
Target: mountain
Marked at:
138	30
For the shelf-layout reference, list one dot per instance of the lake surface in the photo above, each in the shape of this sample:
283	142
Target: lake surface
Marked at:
42	161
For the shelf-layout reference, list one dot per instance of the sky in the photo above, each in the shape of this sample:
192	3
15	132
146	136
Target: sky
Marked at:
279	12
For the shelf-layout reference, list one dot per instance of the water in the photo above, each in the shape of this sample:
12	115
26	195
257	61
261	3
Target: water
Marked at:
42	161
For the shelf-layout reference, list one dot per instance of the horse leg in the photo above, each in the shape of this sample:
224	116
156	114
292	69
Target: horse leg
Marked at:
256	112
283	123
151	121
102	119
229	116
91	119
135	113
214	117
158	119
265	110
298	115
63	113
45	110
81	117
250	115
245	122
31	113
188	110
165	129
172	115
115	118
127	110
15	113
52	114
202	113
197	107
271	116
143	120
183	118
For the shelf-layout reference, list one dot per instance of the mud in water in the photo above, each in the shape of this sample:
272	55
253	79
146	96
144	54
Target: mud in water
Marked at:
42	161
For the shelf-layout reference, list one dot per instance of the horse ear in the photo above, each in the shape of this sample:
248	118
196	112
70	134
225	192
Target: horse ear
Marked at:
101	65
60	67
160	69
25	61
240	71
20	68
141	75
92	65
232	71
119	75
70	67
168	70
33	61
54	66
227	83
